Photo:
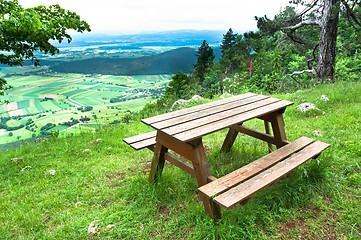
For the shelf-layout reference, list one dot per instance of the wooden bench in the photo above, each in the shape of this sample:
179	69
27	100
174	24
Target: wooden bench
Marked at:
179	139
145	140
239	185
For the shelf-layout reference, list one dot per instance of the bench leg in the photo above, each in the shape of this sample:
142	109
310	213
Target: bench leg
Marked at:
201	167
157	163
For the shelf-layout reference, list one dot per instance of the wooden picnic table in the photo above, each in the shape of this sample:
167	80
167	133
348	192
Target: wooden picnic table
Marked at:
182	132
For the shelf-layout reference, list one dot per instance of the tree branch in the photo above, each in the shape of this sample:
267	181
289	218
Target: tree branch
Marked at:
311	6
301	72
350	13
303	23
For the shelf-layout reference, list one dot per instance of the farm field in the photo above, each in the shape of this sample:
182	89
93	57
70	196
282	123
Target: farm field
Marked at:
59	103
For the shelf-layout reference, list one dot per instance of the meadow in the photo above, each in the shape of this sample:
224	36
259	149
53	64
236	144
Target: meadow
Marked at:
94	186
56	98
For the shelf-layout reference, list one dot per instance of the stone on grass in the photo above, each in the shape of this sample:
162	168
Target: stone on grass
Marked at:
97	141
182	102
110	226
92	228
324	98
26	168
306	106
87	150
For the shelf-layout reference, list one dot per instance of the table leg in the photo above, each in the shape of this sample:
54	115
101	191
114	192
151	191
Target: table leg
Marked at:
230	138
201	167
278	128
268	131
157	162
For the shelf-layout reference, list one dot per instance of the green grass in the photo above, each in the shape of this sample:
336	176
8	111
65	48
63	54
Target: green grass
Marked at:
108	182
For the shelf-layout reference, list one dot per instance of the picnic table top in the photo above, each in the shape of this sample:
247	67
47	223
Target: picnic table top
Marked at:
191	123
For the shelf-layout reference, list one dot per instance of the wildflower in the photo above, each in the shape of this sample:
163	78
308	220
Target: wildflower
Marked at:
52	172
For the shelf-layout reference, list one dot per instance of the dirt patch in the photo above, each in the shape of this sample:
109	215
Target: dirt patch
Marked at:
116	176
303	227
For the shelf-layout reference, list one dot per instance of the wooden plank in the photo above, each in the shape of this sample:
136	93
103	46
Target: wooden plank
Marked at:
184	149
265	178
228	113
140	137
207	112
181	112
190	132
141	141
232	179
256	134
147	143
184	165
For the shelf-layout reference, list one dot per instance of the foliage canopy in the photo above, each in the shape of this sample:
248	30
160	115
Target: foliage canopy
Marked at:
26	30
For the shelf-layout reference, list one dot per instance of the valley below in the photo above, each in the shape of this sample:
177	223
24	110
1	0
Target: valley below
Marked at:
93	82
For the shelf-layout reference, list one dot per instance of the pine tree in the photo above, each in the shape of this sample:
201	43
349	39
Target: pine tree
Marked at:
205	55
229	41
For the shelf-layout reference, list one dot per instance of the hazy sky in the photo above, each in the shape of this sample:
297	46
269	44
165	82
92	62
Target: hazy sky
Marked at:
132	16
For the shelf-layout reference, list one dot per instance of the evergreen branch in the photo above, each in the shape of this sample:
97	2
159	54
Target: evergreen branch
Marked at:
303	23
311	6
350	13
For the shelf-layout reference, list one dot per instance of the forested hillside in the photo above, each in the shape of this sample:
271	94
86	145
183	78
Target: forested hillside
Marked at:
290	51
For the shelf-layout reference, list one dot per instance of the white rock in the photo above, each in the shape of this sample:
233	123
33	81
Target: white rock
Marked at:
182	102
226	95
26	168
110	226
92	228
324	98
196	98
306	106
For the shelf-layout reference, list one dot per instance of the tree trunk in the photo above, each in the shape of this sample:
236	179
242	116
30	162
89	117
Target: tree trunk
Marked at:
328	35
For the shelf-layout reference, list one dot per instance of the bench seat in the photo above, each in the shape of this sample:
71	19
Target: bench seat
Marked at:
239	185
145	140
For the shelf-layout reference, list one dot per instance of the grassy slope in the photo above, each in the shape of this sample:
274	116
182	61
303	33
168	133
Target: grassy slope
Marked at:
320	200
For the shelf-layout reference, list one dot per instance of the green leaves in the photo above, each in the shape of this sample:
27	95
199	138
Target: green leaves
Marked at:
26	30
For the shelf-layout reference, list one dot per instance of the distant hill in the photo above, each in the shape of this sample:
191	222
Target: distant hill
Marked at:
180	59
179	38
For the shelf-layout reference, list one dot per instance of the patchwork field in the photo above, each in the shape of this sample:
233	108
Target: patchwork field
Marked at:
57	103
